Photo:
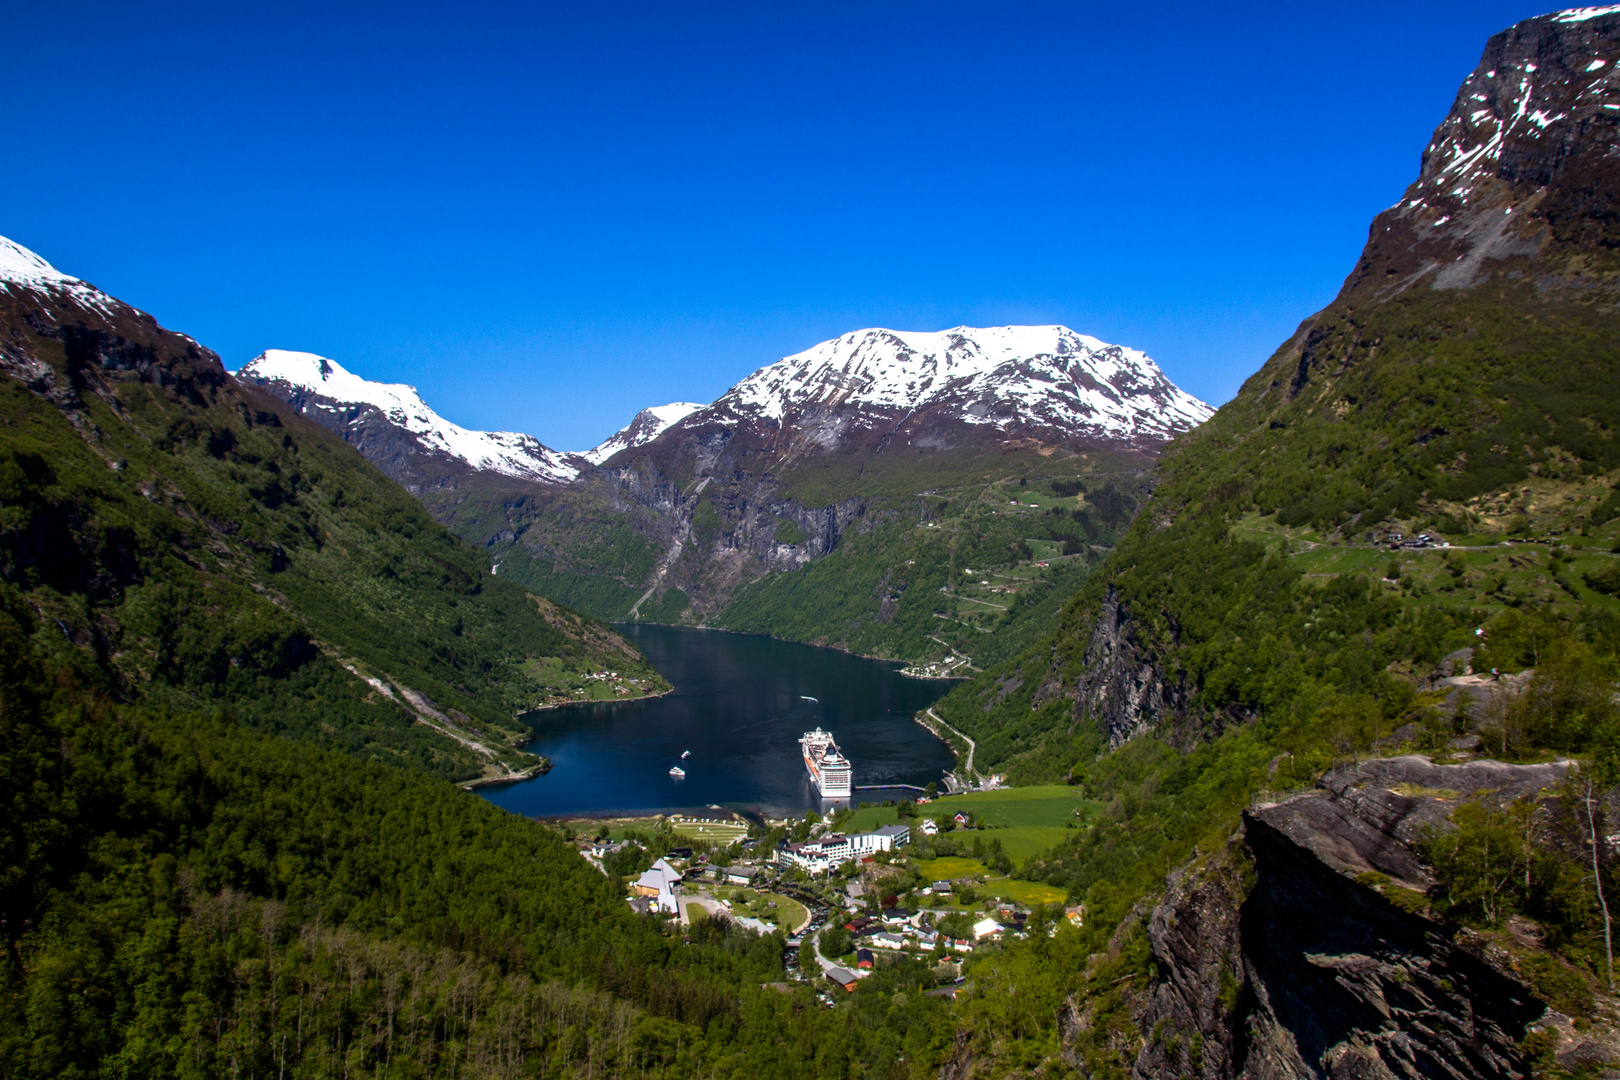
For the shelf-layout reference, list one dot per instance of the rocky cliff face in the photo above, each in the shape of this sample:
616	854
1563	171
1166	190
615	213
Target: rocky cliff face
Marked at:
887	401
1120	687
1286	955
1528	155
1520	184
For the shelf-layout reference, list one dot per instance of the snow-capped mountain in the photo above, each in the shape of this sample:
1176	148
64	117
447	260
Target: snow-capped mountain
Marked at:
1530	142
647	426
21	267
967	384
362	410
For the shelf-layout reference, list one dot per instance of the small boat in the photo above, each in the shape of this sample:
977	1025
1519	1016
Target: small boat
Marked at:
685	754
678	773
807	697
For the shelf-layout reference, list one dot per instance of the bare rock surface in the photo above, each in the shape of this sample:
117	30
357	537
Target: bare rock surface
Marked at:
1276	962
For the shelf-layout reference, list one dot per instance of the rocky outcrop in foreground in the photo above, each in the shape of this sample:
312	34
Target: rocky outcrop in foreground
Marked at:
1292	954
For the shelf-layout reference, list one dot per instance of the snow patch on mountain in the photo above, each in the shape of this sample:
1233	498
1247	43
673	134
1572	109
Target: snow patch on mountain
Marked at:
22	267
1582	14
1005	376
647	426
510	453
1512	100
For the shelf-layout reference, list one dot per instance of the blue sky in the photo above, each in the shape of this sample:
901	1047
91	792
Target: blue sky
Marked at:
549	216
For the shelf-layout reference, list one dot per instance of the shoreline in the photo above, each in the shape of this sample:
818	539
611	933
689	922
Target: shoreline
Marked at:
540	768
792	641
532	721
744	810
597	701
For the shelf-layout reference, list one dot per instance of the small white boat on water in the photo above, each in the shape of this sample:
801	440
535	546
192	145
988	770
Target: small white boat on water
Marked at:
678	773
807	697
685	754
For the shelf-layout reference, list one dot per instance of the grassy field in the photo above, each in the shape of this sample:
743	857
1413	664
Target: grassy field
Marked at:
949	868
715	830
1027	820
1024	842
1025	892
710	830
1050	805
789	914
1489	569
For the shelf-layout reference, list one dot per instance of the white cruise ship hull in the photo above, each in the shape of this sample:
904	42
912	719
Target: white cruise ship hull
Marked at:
829	770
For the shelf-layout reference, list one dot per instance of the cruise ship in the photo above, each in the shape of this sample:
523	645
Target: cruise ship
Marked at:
829	770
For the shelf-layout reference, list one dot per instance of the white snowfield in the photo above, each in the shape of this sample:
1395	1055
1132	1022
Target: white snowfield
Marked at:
19	266
1003	376
647	426
509	453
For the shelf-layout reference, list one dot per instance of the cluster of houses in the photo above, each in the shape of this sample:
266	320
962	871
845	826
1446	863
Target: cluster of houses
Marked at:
835	849
930	826
1422	540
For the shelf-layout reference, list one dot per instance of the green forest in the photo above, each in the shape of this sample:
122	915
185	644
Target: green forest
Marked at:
246	681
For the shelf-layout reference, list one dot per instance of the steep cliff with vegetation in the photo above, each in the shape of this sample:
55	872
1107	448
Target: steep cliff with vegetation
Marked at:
1414	493
184	540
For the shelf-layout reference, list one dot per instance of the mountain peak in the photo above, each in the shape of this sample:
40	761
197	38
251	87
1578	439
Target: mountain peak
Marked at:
325	391
648	424
1527	153
22	267
1044	381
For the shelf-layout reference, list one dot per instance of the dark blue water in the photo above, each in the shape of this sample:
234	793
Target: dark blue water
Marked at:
739	706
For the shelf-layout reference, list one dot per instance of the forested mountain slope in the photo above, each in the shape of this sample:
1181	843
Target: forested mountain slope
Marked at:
199	543
1463	384
1428	465
234	659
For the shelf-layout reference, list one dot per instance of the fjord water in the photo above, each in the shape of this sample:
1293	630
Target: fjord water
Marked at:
739	705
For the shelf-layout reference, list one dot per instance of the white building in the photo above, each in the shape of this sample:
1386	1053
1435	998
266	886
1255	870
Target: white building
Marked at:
818	855
886	838
834	849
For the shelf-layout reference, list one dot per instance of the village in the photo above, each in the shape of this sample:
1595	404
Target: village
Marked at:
856	892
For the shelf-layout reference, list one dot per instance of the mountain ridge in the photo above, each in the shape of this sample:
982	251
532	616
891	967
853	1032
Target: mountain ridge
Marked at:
1399	538
129	448
691	506
343	402
1047	381
1044	381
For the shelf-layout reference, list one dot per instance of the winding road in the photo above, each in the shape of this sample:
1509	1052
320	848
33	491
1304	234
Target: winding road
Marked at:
968	768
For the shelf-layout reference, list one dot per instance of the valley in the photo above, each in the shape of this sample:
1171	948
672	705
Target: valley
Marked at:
1295	722
792	504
